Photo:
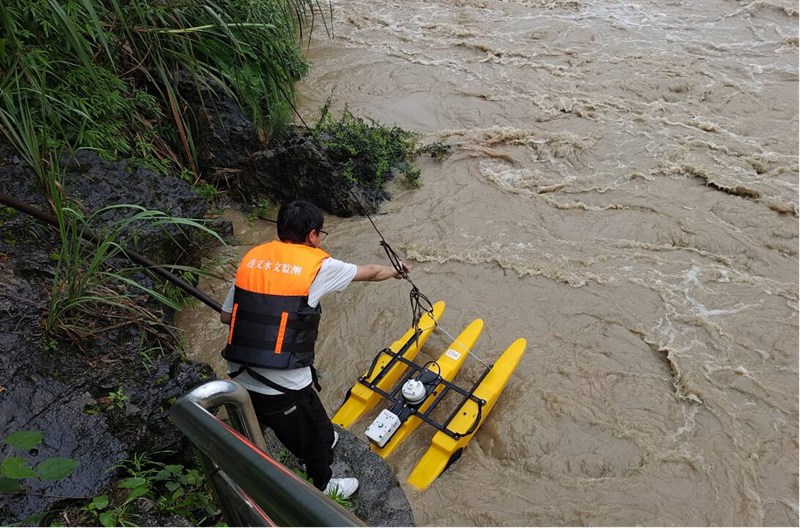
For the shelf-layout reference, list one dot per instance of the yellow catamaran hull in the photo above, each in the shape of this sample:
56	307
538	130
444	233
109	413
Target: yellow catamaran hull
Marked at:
445	449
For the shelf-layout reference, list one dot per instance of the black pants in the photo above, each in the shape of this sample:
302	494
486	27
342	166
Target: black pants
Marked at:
301	424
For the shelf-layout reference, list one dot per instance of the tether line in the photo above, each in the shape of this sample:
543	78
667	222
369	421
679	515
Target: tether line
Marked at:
420	303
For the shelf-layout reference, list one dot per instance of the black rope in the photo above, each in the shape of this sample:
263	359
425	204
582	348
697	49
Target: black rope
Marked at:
420	304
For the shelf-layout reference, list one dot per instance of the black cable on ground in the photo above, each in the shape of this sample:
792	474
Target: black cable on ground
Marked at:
133	257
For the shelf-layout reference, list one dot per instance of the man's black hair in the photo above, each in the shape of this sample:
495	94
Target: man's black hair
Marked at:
297	219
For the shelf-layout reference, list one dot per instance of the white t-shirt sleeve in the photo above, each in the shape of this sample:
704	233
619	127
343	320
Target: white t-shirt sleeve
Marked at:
227	306
333	276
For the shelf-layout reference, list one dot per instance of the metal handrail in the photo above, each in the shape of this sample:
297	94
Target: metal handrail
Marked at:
250	487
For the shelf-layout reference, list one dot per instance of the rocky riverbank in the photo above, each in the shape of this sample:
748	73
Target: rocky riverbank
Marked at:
101	398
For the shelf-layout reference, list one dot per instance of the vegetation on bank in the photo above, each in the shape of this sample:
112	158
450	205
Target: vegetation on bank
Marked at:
86	299
367	152
115	76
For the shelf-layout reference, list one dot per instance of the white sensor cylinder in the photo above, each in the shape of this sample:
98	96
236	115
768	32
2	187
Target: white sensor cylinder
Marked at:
413	391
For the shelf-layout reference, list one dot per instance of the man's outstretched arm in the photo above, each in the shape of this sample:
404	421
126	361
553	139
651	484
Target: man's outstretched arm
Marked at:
377	272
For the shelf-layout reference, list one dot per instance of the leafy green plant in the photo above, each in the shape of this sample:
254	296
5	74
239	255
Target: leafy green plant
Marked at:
412	176
98	509
367	152
206	190
149	484
114	400
438	150
262	209
115	76
175	293
14	469
6	213
117	399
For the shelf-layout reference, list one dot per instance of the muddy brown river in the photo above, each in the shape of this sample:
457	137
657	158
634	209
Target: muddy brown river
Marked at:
622	192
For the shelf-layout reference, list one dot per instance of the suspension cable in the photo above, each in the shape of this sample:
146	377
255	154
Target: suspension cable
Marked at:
420	303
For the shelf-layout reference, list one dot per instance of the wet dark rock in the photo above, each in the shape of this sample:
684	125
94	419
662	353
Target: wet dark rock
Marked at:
299	169
379	501
57	410
61	387
97	183
32	399
224	137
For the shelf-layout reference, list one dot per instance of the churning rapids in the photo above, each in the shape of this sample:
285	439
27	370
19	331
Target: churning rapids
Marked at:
622	192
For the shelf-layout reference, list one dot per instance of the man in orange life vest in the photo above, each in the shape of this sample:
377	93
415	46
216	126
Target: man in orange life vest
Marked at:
273	312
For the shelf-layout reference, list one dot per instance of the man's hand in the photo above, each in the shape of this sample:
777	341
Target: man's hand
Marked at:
406	270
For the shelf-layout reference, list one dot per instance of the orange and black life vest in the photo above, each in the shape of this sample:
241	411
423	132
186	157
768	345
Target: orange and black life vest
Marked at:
272	325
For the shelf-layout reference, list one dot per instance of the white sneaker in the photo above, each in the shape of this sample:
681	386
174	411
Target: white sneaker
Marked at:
342	487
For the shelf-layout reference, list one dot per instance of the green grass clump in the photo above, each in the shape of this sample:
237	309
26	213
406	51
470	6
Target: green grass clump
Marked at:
438	150
344	502
89	295
154	486
368	153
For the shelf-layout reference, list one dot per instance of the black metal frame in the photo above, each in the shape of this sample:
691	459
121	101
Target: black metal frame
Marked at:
396	397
